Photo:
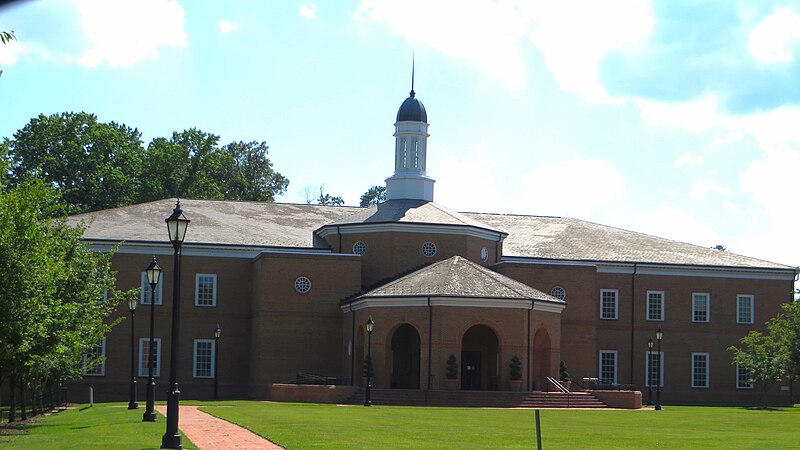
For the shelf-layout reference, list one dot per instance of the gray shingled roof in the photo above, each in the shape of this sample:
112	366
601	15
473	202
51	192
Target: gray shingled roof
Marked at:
458	277
216	222
573	239
409	211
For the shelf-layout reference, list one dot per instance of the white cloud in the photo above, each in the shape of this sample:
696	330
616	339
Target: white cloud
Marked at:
485	33
574	36
9	53
688	160
308	11
771	40
122	33
702	188
727	204
226	26
576	188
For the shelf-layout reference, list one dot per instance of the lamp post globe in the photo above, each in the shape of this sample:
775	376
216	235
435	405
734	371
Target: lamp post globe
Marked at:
217	334
177	225
659	336
153	273
649	372
132	303
370	326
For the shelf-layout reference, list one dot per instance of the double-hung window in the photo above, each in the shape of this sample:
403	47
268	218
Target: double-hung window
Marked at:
609	301
700	370
146	292
203	358
654	369
745	309
144	352
608	367
205	290
655	305
94	360
701	307
743	380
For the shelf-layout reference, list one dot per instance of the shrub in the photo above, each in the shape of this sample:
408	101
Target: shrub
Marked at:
452	367
562	372
515	368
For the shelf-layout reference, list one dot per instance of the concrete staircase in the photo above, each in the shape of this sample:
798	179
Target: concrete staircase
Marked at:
486	399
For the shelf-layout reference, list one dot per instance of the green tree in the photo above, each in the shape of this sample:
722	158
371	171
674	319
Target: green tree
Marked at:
515	368
249	174
321	198
452	367
373	196
762	357
7	36
94	165
50	291
785	331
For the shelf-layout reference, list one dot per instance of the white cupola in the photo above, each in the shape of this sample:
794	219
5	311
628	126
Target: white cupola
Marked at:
410	181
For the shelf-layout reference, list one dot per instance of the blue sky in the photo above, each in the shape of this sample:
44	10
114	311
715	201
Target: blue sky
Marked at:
679	119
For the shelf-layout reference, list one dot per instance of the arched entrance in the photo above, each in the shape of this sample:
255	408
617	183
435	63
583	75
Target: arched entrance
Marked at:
541	359
405	358
480	367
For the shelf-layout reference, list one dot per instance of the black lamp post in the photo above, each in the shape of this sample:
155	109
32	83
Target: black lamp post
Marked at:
132	307
659	335
176	226
370	326
649	372
153	272
217	333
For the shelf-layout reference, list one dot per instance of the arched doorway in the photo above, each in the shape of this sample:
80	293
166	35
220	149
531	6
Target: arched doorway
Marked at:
480	368
405	358
541	359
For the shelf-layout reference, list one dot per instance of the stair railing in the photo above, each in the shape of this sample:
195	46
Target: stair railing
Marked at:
560	387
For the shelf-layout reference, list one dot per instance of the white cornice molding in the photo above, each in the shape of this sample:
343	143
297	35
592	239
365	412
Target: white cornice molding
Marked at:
645	268
400	227
207	250
465	302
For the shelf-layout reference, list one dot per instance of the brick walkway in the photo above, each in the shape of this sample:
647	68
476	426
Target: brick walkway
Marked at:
210	433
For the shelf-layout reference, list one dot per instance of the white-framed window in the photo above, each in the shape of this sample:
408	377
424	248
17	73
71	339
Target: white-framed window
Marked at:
655	305
745	309
484	254
428	249
205	289
559	293
609	300
95	355
203	366
654	369
743	380
359	248
700	368
146	291
701	307
144	350
302	284
607	371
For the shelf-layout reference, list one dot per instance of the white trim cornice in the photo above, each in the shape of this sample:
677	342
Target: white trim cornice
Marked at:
206	250
465	302
400	227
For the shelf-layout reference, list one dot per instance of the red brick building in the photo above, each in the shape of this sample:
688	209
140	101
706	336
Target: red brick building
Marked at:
292	286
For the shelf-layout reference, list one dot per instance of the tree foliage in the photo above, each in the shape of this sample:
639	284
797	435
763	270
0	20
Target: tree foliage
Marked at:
322	197
373	196
7	36
785	330
99	165
762	357
50	291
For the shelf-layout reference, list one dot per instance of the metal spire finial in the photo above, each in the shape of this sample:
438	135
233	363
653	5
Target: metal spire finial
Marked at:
412	75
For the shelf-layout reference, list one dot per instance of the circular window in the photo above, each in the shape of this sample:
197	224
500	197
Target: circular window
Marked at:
302	284
429	249
485	254
359	248
559	293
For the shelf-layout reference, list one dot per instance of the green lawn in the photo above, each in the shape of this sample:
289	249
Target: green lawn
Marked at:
103	426
301	426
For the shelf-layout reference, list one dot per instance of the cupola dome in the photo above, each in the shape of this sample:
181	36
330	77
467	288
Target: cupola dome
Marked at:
412	110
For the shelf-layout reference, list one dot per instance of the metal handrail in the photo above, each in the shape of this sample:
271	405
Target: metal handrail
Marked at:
560	387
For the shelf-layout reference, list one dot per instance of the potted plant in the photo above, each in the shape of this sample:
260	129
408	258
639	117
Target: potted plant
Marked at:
452	382
563	375
515	373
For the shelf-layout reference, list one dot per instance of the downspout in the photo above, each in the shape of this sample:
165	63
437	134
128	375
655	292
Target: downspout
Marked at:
352	346
633	317
430	342
339	233
530	356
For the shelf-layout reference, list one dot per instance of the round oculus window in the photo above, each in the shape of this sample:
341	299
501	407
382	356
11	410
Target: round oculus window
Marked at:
302	285
359	248
559	293
429	249
485	254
